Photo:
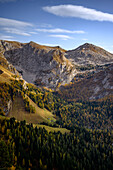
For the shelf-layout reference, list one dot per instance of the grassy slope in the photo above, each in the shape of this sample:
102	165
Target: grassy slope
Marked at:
18	111
44	113
6	76
48	128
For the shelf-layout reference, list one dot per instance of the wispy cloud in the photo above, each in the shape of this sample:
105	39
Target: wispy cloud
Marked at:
32	32
63	37
48	44
15	27
16	31
6	37
79	12
58	30
13	23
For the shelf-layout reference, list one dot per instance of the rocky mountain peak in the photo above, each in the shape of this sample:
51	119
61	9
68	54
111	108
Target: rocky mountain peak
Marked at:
53	66
42	65
89	54
9	45
86	46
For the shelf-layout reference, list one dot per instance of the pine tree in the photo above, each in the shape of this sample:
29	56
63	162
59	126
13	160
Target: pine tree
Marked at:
5	160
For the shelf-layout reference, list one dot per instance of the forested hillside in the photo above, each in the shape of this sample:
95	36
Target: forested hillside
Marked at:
70	128
24	147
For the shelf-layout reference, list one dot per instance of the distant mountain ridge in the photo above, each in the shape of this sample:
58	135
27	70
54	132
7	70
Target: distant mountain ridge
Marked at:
52	67
89	54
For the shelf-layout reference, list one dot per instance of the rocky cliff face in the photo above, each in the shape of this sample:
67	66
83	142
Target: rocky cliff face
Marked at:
45	66
94	86
89	54
5	46
53	66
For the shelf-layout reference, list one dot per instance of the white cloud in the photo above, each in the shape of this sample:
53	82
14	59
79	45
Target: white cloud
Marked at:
13	23
32	32
58	30
5	37
63	37
79	12
11	26
16	31
47	44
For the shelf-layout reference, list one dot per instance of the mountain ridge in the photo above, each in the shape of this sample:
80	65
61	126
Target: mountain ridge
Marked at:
52	67
89	54
42	65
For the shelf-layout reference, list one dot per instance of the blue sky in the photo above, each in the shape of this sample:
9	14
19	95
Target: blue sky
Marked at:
68	23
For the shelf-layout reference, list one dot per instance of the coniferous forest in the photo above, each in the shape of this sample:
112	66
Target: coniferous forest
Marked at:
88	145
26	147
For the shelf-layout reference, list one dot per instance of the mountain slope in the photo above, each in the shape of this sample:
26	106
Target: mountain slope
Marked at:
18	111
92	86
45	66
5	46
52	67
89	54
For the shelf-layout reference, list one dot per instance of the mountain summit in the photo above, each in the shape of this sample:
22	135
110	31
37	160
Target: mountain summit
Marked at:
42	65
89	54
52	66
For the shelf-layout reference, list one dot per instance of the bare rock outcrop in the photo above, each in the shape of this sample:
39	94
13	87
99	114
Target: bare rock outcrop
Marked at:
45	66
89	54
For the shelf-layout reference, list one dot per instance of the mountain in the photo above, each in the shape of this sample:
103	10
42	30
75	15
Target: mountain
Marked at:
26	144
90	86
8	45
53	67
89	54
93	79
42	65
5	46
